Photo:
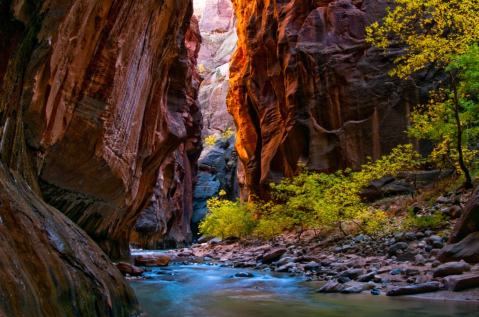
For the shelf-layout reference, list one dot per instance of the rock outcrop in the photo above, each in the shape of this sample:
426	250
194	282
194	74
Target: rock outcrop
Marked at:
94	101
49	266
305	86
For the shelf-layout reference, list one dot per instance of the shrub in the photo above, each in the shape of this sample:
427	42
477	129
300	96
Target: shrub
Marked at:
226	218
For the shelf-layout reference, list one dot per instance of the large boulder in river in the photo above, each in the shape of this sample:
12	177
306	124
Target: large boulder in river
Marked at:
273	255
126	268
467	250
152	260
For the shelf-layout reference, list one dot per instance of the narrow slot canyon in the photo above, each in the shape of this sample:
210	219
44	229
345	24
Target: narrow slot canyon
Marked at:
125	124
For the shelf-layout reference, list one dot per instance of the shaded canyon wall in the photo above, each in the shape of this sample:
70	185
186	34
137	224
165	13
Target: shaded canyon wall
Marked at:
305	86
100	101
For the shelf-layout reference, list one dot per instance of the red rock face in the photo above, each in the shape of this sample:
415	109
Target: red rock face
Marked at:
305	86
166	220
101	102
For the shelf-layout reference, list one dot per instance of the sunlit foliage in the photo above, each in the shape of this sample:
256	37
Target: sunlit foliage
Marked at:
442	34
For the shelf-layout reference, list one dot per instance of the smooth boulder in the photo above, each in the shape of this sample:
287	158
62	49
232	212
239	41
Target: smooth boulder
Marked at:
451	268
126	268
458	283
467	250
272	255
152	260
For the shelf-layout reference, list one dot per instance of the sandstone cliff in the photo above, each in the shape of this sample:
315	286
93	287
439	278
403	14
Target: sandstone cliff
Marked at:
304	85
165	223
93	102
99	97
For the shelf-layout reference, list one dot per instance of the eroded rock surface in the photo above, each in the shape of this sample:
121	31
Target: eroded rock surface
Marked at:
165	223
305	85
96	93
49	266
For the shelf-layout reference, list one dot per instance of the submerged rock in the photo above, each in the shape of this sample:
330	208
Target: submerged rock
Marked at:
244	274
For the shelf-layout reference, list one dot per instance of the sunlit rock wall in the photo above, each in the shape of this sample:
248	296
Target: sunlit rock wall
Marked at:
305	86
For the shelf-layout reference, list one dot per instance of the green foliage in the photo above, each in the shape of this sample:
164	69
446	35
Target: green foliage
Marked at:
436	120
218	73
226	218
310	200
319	200
443	34
425	222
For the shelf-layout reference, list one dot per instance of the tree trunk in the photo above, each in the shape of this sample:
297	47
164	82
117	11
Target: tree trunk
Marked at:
468	183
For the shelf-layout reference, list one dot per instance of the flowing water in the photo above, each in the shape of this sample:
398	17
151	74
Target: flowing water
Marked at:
211	291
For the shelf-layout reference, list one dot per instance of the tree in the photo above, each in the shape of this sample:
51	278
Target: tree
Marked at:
436	32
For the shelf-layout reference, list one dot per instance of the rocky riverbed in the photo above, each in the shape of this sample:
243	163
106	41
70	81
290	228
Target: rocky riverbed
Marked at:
415	262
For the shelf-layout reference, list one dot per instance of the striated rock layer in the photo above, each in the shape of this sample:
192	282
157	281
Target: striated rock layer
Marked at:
94	100
165	223
305	86
49	266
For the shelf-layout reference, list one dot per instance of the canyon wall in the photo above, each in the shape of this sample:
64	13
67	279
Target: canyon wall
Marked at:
305	86
165	223
100	101
93	102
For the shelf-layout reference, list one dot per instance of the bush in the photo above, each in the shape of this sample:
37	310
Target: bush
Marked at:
425	222
226	218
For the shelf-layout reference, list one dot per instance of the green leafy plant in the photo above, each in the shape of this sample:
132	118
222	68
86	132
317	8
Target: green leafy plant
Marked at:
227	134
218	73
425	222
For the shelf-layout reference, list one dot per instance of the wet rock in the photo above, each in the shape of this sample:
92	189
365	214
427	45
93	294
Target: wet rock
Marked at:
282	261
273	255
126	268
332	287
414	289
395	272
395	247
243	274
366	277
152	260
467	250
375	291
285	267
458	283
343	279
352	274
451	268
358	288
410	272
312	266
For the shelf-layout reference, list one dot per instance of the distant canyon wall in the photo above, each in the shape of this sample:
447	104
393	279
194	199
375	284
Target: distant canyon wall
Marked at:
305	86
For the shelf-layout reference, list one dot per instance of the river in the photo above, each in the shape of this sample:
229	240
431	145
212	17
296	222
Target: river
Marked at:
211	291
